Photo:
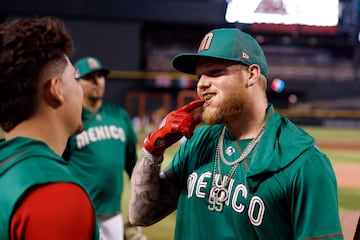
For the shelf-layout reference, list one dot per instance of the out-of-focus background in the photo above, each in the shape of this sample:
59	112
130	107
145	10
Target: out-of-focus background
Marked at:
313	53
312	47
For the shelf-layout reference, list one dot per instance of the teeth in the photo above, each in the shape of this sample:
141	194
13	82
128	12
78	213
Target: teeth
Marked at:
207	97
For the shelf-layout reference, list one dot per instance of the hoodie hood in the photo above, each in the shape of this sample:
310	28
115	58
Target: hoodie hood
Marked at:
282	142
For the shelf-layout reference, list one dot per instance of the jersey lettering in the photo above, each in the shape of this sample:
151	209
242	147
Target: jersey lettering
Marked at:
99	133
202	185
239	189
191	183
256	204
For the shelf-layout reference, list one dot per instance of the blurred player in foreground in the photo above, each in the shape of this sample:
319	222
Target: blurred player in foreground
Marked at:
103	150
40	107
250	173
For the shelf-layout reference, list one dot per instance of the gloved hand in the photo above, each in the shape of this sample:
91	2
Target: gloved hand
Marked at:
175	125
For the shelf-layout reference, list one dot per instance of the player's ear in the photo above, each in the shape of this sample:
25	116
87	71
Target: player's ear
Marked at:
52	92
254	74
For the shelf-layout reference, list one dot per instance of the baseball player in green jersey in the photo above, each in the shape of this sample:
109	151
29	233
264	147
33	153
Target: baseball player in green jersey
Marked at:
249	172
40	107
103	150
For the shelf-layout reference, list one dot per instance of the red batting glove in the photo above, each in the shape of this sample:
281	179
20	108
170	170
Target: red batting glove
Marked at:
175	125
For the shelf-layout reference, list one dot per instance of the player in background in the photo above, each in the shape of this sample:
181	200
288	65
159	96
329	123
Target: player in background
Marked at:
249	173
105	148
40	107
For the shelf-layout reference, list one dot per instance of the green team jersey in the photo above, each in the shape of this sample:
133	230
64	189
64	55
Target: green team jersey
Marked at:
100	153
285	189
25	163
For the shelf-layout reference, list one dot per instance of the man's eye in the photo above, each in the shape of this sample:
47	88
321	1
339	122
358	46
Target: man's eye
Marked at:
216	72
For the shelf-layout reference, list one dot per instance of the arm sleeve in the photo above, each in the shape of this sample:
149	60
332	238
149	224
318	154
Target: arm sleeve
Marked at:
54	211
315	206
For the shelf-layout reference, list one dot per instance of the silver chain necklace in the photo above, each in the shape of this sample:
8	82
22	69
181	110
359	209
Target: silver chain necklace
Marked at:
219	193
244	154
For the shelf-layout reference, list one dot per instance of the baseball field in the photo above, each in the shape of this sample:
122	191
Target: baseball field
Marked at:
342	146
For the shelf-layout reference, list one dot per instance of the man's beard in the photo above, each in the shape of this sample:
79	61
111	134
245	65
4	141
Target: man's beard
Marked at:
233	106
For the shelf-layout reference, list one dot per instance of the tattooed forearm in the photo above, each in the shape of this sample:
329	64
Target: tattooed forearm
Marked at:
152	196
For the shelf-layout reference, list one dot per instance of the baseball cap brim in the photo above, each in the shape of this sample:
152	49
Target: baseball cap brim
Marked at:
187	62
103	71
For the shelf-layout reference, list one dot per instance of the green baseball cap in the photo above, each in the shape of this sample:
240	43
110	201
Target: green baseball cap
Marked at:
89	65
226	44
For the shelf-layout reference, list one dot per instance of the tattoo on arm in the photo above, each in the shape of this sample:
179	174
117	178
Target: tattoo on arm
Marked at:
152	195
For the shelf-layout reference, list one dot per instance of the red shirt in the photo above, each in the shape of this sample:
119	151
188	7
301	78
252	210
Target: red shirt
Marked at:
53	211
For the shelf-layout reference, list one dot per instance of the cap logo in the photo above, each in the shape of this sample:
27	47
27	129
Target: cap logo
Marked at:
245	55
205	43
92	63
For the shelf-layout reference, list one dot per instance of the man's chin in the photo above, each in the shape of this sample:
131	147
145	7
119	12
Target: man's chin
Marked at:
209	117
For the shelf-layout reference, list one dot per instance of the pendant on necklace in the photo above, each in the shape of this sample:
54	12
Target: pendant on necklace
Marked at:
221	194
218	196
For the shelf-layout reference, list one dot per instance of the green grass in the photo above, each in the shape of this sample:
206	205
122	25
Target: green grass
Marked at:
343	156
334	134
349	198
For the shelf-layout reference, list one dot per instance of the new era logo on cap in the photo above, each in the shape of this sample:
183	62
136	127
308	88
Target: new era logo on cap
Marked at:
244	55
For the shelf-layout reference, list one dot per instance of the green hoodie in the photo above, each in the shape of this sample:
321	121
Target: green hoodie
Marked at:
25	163
284	189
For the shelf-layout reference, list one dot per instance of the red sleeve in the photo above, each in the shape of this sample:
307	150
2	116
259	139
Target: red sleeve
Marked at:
56	211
